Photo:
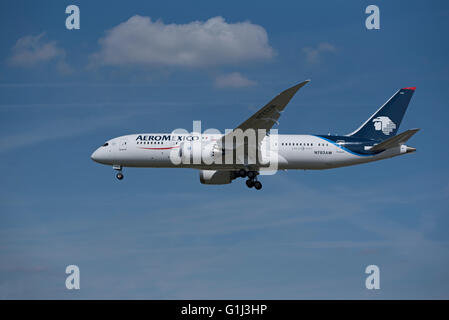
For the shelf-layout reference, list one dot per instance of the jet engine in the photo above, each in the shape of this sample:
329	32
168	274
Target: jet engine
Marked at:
216	176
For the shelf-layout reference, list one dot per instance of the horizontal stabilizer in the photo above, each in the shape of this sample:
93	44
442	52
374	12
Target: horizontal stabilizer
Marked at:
395	141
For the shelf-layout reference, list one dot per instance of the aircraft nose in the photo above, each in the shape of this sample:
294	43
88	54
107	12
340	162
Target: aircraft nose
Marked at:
101	156
94	156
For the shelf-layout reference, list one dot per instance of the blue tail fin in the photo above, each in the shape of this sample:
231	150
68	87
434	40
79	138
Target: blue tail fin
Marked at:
384	123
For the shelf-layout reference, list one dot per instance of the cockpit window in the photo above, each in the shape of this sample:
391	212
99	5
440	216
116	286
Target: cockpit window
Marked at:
106	144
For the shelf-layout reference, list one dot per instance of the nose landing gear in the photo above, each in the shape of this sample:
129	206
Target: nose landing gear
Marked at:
119	174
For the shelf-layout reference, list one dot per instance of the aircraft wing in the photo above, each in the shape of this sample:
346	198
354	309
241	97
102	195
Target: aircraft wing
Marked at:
267	116
265	119
395	141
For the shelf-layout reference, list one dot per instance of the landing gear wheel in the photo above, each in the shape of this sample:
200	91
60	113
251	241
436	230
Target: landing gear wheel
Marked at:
257	185
251	174
119	176
249	183
242	173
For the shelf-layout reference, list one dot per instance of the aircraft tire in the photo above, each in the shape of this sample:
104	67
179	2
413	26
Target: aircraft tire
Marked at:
251	174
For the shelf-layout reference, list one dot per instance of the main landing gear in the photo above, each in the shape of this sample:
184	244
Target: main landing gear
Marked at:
252	178
119	174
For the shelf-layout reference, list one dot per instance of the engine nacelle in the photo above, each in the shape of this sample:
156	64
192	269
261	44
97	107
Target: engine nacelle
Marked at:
215	176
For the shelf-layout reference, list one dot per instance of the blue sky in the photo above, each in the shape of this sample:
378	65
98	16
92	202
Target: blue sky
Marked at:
159	233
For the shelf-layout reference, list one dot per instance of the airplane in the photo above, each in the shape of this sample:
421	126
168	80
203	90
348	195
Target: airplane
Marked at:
376	139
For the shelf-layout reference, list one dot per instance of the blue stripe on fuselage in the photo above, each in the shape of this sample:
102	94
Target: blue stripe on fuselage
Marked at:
344	148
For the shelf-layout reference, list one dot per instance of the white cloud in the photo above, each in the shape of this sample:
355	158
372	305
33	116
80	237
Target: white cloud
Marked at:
32	50
141	41
233	80
313	55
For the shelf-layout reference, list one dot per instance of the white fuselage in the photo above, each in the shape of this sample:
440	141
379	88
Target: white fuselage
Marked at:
290	151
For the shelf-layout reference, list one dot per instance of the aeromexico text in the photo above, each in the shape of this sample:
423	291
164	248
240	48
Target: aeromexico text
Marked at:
195	136
167	137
